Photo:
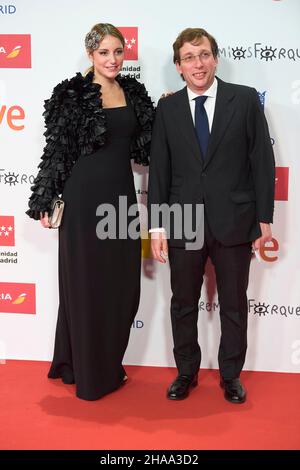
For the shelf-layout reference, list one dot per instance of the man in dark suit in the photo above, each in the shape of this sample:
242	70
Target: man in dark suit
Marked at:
210	146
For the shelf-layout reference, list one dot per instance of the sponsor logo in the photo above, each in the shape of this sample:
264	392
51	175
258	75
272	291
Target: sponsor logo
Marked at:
259	51
282	183
7	9
11	115
137	324
7	230
7	238
267	252
133	72
15	51
130	34
17	298
8	257
12	178
258	309
263	309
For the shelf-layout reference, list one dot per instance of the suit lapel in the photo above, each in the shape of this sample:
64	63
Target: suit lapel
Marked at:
224	111
183	116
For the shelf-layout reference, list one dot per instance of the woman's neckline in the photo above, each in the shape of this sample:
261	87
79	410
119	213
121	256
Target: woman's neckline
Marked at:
120	107
117	107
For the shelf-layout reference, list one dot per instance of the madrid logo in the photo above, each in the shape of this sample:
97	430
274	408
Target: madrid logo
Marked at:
7	230
130	34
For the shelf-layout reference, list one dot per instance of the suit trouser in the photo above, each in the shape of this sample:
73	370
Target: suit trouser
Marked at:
232	272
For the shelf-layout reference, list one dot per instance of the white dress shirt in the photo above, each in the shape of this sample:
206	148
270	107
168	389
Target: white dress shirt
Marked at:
209	104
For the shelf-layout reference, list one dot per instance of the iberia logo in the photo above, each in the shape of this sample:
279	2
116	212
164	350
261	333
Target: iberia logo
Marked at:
7	230
17	298
130	34
282	183
15	51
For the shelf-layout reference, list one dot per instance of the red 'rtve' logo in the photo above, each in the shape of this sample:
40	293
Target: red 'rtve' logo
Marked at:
17	297
7	230
15	51
130	34
282	183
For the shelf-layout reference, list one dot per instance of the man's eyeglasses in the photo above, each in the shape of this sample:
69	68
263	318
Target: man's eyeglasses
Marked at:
203	56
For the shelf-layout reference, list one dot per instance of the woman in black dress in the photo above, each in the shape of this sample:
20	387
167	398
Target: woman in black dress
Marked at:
95	125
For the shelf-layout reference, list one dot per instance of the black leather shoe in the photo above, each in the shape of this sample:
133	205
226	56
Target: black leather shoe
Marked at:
180	388
233	390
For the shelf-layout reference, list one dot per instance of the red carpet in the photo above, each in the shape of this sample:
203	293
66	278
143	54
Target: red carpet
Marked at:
38	413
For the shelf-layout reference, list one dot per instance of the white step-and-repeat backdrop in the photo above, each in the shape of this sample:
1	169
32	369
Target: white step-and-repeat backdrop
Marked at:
41	43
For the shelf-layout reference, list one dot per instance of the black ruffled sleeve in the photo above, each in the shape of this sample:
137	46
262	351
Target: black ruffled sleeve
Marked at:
75	125
59	152
145	112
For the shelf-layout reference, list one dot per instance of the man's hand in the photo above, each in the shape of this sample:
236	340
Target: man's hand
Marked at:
167	93
266	236
159	246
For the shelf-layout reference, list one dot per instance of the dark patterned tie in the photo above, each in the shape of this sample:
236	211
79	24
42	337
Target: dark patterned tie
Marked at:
201	124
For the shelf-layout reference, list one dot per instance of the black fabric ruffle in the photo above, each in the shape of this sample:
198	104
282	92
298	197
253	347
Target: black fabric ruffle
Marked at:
75	126
144	110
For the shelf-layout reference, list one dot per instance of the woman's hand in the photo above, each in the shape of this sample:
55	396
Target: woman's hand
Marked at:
44	220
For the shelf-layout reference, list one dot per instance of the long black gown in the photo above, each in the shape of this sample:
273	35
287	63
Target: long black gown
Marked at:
99	280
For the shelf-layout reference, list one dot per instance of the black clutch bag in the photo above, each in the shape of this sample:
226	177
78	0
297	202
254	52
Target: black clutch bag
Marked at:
56	213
